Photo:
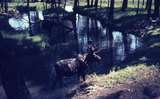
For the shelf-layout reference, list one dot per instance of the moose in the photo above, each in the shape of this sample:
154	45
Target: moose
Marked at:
77	65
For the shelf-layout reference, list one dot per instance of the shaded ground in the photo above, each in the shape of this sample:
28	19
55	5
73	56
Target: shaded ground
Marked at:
103	13
127	83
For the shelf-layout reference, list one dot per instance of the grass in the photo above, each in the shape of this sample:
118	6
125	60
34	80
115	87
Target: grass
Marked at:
155	31
35	38
155	45
131	81
118	3
39	40
40	5
123	76
24	36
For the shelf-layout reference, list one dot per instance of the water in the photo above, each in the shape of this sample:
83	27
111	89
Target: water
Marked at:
87	29
69	8
22	21
91	30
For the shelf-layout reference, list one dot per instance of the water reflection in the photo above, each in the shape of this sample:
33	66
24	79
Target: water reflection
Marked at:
90	29
21	22
69	8
118	46
134	42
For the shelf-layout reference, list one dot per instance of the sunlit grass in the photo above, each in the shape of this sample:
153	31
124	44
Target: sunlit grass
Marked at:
126	75
104	3
155	45
36	38
23	36
16	36
38	5
39	39
155	31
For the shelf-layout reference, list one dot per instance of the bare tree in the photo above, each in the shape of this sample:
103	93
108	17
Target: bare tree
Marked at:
111	10
11	72
156	8
92	3
96	3
110	30
75	5
88	3
138	5
133	2
124	5
149	6
143	2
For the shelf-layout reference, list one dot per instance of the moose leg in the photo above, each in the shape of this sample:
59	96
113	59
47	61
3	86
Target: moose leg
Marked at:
52	79
84	77
59	76
79	76
59	81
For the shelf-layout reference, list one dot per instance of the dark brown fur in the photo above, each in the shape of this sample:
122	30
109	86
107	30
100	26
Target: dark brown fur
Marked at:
72	66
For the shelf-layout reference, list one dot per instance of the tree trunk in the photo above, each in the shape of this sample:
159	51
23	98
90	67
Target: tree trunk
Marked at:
133	2
2	5
124	5
96	4
149	7
91	3
88	3
143	2
13	82
11	72
27	3
108	3
148	3
138	6
156	8
6	5
110	27
111	11
125	41
75	6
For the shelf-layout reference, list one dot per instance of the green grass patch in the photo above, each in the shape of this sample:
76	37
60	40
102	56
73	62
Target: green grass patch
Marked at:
155	45
155	31
123	76
36	38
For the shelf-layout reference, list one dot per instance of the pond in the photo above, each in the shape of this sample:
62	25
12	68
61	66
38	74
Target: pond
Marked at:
90	29
86	29
21	21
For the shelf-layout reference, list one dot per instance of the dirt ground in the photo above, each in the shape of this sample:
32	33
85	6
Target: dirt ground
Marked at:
144	88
